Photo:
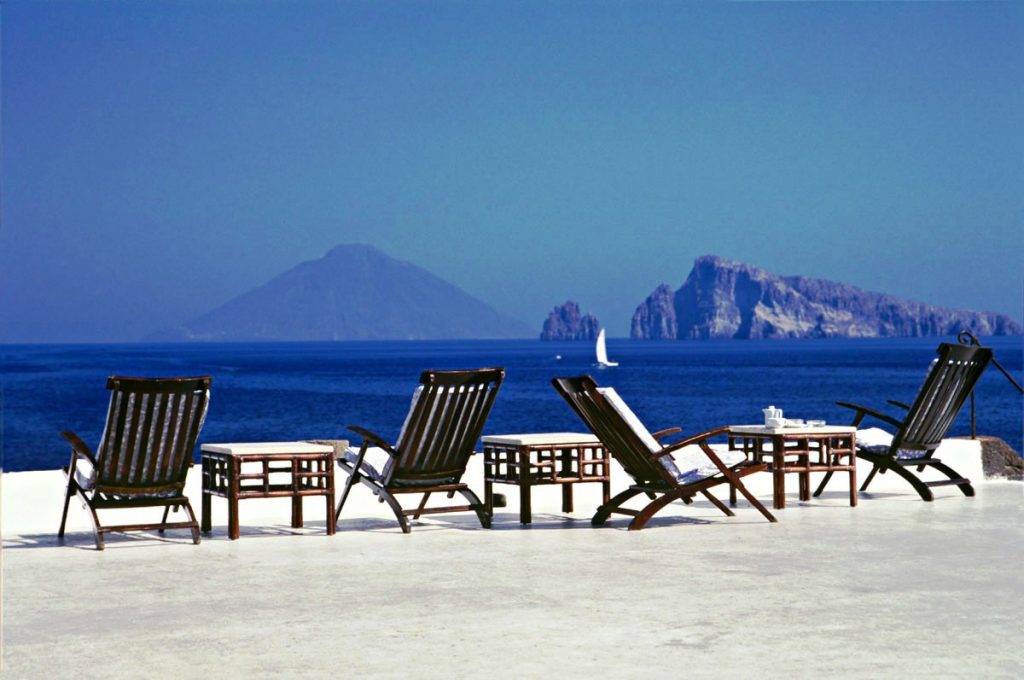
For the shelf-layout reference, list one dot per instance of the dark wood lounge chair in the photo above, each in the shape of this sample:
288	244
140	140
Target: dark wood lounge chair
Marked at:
652	466
949	382
442	427
144	453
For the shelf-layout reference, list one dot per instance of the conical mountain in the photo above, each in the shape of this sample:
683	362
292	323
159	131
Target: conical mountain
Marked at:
354	292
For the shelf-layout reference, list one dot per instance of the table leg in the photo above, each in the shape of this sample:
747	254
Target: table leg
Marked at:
233	531
329	467
233	499
205	521
567	498
606	491
206	524
779	472
853	474
296	498
525	510
489	497
732	495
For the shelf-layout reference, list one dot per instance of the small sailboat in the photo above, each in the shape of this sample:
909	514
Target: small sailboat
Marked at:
602	352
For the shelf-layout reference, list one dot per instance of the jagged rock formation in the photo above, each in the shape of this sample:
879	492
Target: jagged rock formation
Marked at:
725	299
998	459
655	319
354	292
565	323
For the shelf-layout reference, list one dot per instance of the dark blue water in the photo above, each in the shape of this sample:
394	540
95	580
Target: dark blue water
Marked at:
287	391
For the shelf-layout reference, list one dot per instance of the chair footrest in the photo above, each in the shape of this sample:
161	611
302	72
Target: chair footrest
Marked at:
914	462
120	528
948	482
435	511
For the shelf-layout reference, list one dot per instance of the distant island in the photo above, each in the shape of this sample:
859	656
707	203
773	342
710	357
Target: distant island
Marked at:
726	299
565	322
354	292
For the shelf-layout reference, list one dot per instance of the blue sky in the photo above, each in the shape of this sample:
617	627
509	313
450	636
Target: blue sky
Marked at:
160	158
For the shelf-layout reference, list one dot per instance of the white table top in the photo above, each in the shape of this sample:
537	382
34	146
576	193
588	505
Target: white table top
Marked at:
802	429
250	448
541	439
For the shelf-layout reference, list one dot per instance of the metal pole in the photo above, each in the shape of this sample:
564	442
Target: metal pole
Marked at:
974	431
965	337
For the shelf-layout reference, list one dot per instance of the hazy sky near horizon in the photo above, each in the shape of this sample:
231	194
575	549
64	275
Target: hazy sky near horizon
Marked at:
160	158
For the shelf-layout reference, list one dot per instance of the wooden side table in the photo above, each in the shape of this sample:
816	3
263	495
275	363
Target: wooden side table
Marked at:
272	469
529	460
800	450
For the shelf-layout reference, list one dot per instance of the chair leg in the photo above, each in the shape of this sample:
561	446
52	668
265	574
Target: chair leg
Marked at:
651	509
478	507
167	511
423	504
603	512
67	501
966	487
353	476
871	475
753	501
96	530
187	507
824	483
396	507
919	486
718	504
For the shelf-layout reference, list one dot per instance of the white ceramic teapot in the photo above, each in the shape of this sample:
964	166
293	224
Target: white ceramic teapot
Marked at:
771	415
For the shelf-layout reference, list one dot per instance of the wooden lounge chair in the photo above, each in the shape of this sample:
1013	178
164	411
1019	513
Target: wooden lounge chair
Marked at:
144	453
949	382
442	427
655	471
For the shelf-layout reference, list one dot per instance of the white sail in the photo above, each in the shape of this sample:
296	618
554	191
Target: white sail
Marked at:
602	351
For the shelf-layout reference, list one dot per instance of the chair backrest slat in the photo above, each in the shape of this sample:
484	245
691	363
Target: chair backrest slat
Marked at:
949	382
140	465
151	431
583	395
157	433
444	425
127	453
178	452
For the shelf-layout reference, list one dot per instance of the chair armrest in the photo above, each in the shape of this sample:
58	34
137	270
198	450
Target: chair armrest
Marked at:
865	411
666	432
370	437
905	407
688	441
78	447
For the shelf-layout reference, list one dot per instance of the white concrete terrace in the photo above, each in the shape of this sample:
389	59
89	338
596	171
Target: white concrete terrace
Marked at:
893	588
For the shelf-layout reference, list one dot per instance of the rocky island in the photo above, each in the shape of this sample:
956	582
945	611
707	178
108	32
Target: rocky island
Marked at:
726	299
566	323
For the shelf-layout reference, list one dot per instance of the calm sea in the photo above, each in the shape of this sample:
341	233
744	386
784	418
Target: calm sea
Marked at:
287	391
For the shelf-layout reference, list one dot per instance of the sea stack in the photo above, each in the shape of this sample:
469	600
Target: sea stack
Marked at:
565	322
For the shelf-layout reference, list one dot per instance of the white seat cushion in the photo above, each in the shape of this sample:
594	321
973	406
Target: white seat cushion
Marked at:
645	436
689	464
85	474
694	464
877	440
375	462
